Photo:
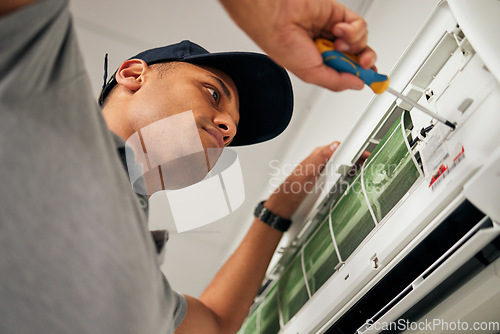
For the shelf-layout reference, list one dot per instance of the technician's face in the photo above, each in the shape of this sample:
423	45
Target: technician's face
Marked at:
212	98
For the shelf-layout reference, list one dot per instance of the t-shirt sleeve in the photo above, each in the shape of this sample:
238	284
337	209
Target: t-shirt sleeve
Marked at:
51	122
36	49
180	303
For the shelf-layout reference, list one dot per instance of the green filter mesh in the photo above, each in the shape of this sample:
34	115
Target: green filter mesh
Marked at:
292	289
351	220
320	257
242	329
250	326
269	316
389	174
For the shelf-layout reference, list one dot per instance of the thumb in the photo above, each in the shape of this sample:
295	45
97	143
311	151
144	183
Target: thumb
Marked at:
326	153
328	150
333	146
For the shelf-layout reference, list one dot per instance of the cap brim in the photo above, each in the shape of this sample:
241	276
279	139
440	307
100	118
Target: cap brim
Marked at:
264	89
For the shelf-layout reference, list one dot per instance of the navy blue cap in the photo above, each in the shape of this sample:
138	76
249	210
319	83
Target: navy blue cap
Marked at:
264	88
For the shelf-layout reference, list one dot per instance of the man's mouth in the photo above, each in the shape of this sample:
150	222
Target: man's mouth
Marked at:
216	136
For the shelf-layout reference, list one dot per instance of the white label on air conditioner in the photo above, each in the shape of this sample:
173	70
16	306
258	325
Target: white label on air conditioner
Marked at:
434	151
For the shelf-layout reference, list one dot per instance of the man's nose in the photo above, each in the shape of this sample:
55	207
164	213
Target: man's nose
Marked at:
226	126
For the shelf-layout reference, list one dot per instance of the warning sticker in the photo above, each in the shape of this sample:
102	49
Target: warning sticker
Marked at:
444	170
434	152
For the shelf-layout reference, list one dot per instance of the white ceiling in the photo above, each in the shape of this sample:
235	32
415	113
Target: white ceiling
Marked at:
123	28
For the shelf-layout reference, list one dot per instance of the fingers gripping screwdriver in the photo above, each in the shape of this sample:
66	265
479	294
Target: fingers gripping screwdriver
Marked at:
379	83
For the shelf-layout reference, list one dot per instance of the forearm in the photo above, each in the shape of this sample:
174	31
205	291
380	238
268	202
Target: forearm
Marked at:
232	291
249	16
235	286
225	303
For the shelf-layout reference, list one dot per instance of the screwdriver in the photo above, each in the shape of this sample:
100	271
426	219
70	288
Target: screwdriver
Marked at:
379	83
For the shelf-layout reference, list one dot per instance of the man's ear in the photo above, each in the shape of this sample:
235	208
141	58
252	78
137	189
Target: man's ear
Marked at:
131	74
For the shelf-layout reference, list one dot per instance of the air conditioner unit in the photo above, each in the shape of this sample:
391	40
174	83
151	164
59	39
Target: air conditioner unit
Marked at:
412	236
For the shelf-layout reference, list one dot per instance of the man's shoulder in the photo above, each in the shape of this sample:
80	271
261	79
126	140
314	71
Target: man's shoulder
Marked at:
39	49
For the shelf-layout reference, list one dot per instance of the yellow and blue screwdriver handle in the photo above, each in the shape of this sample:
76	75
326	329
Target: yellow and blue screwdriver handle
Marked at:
346	62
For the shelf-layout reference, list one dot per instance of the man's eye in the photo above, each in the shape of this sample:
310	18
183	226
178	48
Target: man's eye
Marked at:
214	94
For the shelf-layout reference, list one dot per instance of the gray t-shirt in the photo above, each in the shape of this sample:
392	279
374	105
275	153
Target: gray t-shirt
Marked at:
75	252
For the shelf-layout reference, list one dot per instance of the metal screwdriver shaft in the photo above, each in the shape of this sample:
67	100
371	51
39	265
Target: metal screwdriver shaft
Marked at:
344	62
422	108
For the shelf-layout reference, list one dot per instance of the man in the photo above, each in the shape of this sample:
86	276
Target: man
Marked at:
76	256
235	98
216	102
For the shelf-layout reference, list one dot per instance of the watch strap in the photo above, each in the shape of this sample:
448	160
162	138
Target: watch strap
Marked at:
271	219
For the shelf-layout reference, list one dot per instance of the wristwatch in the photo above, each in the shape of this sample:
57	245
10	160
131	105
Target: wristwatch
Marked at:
271	219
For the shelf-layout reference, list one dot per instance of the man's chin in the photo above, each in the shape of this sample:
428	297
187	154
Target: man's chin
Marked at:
177	174
212	155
